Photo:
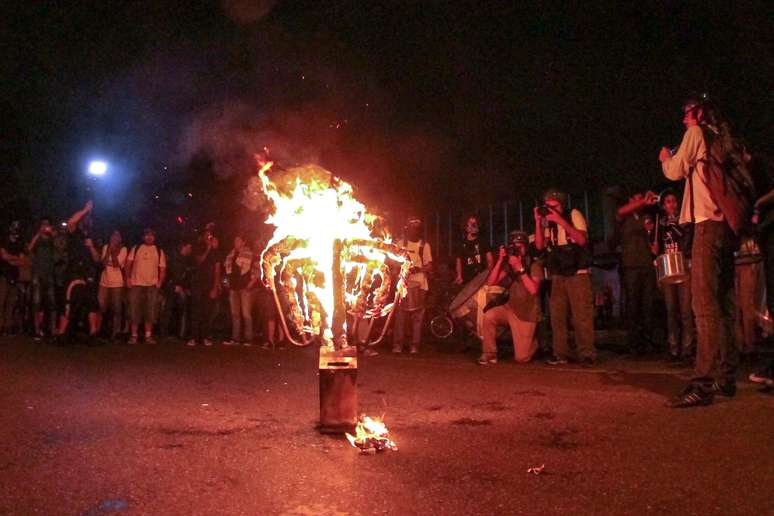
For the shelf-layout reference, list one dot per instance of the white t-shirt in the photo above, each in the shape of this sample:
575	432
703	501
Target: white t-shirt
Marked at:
690	158
147	259
417	261
112	277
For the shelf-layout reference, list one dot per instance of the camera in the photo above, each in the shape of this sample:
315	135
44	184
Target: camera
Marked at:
512	250
544	210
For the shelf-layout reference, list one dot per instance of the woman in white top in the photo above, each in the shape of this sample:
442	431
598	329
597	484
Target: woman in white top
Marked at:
111	283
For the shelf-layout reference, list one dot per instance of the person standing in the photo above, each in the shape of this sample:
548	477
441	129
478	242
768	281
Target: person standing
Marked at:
474	254
41	248
11	257
637	271
712	262
568	262
242	272
676	238
177	309
205	288
146	268
421	258
82	262
112	282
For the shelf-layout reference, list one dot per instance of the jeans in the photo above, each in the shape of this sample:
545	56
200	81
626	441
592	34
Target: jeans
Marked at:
522	333
748	285
712	288
203	310
681	333
416	317
573	294
640	291
241	303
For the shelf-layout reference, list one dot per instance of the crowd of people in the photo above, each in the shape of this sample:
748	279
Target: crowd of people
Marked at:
62	279
708	256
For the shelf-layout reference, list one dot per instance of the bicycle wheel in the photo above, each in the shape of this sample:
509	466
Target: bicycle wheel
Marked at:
441	326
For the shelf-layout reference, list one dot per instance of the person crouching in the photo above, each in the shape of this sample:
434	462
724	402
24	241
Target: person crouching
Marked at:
522	310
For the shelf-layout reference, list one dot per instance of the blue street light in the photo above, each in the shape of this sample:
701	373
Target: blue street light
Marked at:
98	168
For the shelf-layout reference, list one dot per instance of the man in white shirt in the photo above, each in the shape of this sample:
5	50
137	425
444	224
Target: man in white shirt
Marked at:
712	264
111	282
414	310
146	268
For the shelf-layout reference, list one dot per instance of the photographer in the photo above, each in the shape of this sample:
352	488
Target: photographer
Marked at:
637	272
567	259
522	310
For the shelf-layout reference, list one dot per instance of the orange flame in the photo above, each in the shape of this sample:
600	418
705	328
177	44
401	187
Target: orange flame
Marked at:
371	433
323	237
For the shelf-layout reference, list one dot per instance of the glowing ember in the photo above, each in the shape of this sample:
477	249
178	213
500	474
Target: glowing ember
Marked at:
371	434
329	254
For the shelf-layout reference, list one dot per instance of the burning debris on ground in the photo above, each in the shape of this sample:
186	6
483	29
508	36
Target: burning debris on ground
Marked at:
371	436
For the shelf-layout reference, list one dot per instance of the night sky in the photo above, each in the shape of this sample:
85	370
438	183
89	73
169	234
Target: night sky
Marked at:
416	103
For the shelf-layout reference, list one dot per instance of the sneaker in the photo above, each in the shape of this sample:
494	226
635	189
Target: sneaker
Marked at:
727	389
556	360
267	346
414	350
132	340
247	344
763	376
368	352
230	343
484	360
38	336
149	339
692	396
191	343
396	349
207	342
587	362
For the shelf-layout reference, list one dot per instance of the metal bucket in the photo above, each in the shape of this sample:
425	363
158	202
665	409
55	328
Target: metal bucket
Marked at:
671	268
338	390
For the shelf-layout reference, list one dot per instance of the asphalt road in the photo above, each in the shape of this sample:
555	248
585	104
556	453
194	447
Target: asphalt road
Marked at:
166	429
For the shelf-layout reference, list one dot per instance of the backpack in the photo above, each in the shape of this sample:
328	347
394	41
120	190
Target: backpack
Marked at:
728	180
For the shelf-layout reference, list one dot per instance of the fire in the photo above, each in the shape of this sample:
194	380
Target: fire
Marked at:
328	251
371	433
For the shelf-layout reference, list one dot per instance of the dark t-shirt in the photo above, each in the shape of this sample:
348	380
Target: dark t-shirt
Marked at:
204	273
473	256
80	263
635	247
180	270
675	237
43	258
14	247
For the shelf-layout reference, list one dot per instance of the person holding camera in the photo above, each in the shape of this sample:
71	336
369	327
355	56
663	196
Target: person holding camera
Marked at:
205	287
637	272
521	312
563	243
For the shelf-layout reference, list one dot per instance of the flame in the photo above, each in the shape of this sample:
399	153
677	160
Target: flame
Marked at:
325	242
371	433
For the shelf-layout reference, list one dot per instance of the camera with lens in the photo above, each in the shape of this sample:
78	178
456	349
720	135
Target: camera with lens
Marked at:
512	250
544	210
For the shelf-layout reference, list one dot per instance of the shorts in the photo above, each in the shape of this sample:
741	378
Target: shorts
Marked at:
142	304
111	299
43	294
